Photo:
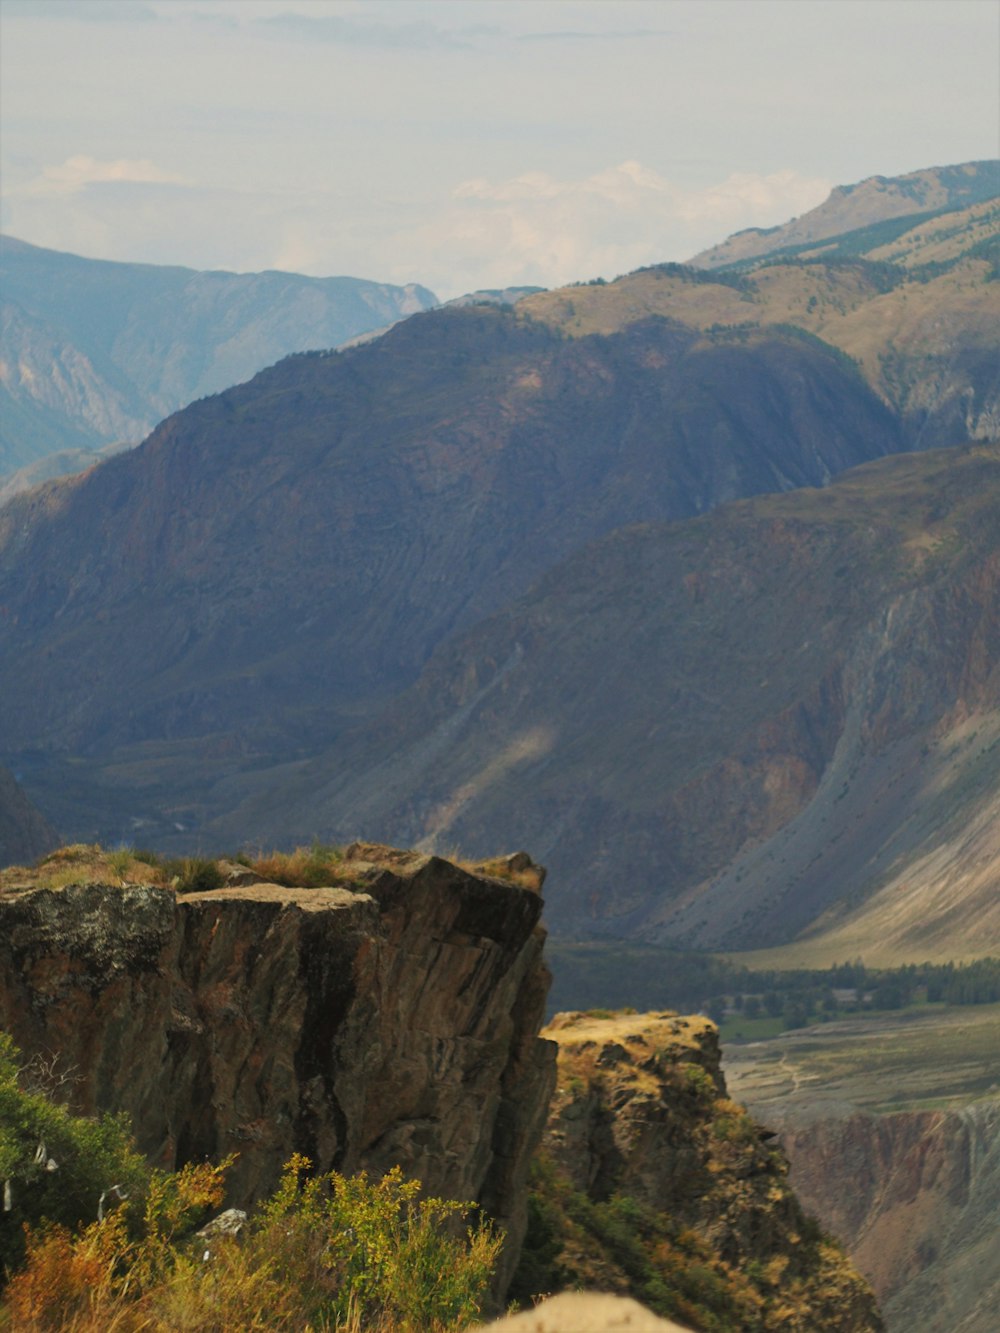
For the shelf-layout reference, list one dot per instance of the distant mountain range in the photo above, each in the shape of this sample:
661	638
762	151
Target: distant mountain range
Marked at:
24	834
95	352
851	211
400	591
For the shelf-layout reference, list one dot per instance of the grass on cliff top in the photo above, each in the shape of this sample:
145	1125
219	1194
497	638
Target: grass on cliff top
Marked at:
318	866
81	863
713	1275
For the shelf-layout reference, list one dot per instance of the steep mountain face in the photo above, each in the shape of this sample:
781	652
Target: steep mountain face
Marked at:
278	558
914	1198
779	722
24	834
227	626
389	1020
878	199
96	352
642	1136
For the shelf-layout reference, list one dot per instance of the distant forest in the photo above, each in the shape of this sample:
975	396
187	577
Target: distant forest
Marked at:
617	974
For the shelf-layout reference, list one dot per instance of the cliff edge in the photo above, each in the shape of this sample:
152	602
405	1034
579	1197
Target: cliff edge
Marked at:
653	1184
391	1018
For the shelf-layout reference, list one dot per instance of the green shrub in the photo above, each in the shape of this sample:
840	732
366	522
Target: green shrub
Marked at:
54	1165
196	874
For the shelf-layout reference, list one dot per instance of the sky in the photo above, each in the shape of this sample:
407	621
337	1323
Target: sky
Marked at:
469	144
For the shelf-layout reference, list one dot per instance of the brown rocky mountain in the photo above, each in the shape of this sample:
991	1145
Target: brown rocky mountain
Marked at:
227	597
850	208
916	308
778	722
223	623
24	834
914	1198
95	352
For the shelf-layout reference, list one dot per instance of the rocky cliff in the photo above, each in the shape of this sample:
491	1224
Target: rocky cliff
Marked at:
653	1183
914	1197
390	1018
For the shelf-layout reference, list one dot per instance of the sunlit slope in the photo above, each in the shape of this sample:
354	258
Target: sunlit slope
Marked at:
878	201
919	314
731	732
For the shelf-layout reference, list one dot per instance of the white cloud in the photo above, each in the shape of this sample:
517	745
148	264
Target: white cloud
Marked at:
538	228
532	228
79	171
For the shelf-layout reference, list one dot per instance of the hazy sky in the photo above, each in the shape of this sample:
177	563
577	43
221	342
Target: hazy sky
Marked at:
469	143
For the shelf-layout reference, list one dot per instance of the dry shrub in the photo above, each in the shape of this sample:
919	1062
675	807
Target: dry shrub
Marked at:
306	868
67	1281
326	1252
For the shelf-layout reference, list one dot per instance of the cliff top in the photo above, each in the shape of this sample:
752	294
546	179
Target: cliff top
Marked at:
330	876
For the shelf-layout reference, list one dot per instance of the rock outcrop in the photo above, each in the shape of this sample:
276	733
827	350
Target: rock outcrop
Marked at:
660	1187
392	1018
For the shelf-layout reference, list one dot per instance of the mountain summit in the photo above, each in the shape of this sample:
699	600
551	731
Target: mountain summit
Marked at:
877	201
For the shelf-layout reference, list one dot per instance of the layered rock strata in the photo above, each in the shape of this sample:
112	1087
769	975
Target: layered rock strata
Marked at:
390	1019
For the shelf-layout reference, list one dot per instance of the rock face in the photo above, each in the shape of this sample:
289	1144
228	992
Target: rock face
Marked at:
914	1196
392	1019
641	1111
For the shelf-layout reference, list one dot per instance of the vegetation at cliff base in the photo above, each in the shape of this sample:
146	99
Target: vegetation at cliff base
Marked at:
99	1241
53	1165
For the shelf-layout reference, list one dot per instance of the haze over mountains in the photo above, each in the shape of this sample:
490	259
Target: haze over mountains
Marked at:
96	352
400	591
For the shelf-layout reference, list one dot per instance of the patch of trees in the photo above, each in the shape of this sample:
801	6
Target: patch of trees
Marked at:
615	974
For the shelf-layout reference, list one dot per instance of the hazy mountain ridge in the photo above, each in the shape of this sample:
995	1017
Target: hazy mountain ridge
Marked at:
720	731
851	207
97	351
256	572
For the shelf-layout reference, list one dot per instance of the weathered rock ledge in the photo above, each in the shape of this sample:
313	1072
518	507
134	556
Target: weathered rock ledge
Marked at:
641	1111
392	1021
